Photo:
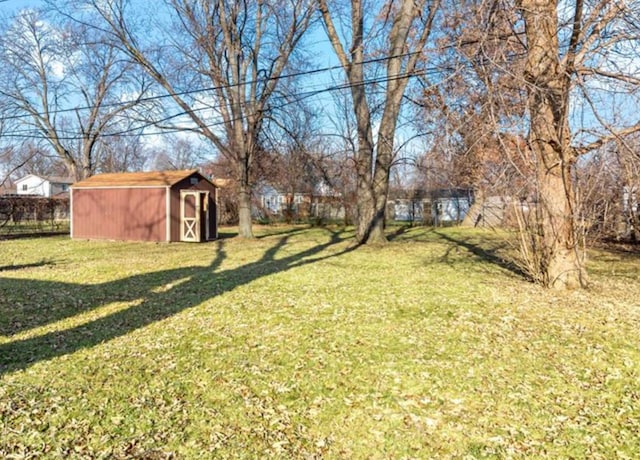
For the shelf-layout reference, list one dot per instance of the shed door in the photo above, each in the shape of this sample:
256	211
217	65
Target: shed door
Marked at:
190	216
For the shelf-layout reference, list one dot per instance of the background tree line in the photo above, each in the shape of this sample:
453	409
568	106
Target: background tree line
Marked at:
532	101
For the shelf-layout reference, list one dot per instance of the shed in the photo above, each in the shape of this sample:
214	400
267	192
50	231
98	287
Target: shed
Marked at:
145	206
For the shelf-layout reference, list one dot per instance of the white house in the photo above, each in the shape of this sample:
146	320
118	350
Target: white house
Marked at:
42	185
275	201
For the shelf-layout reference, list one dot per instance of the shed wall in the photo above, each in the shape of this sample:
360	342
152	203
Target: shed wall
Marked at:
137	214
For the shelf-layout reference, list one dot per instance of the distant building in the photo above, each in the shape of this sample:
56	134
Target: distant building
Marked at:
431	207
47	186
322	202
276	202
450	206
327	203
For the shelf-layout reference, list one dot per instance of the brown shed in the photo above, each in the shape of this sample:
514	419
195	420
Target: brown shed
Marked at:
145	206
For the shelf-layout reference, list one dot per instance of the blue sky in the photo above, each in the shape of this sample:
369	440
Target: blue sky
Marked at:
11	6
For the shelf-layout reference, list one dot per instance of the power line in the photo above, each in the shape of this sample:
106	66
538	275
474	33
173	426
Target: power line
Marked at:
142	100
298	98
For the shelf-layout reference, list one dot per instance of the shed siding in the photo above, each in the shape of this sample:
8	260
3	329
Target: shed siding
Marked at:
120	214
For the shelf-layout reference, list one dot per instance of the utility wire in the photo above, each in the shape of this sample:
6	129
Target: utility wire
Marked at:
142	100
297	98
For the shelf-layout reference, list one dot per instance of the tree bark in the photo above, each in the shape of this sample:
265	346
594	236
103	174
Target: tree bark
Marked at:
244	211
560	265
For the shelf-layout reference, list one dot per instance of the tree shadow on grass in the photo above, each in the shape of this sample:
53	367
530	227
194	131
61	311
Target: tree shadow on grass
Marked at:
398	232
227	233
41	263
158	295
275	231
487	254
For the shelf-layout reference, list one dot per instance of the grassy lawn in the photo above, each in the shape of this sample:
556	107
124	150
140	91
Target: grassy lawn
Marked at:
296	346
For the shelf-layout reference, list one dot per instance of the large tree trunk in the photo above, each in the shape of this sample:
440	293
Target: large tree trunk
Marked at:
364	209
558	262
371	207
365	198
244	200
378	223
384	158
244	212
561	266
474	216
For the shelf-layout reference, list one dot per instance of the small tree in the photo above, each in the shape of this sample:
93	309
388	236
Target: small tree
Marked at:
179	153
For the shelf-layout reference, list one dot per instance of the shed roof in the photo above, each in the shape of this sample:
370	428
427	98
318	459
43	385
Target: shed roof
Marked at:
137	179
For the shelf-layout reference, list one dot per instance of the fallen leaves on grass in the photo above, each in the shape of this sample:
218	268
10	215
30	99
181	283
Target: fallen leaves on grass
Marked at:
292	346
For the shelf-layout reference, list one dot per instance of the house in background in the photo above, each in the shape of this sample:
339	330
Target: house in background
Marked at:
436	207
327	203
145	206
409	206
320	202
45	186
450	206
272	201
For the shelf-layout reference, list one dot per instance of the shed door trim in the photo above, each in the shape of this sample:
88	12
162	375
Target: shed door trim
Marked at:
168	214
205	202
190	226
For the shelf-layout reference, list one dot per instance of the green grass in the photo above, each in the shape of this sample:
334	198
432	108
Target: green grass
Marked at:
297	345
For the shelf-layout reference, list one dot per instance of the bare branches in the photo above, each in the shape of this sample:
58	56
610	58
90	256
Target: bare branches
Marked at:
614	134
239	48
47	63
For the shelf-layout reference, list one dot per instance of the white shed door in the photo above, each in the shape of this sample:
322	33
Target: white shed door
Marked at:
189	216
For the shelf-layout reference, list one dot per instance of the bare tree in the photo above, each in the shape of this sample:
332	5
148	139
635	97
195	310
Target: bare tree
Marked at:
294	143
574	51
179	153
406	27
121	153
30	157
22	156
474	104
545	84
64	85
607	189
236	49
